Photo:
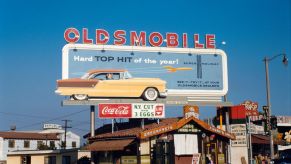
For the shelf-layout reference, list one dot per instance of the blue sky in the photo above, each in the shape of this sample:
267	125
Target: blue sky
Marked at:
31	39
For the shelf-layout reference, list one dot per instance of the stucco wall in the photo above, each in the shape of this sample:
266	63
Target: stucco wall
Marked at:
14	160
237	153
37	159
145	147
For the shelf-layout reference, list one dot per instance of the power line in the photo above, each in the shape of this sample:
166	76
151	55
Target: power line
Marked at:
22	115
56	118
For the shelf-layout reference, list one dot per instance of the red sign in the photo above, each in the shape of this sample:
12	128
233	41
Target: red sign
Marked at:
115	111
159	110
251	108
155	39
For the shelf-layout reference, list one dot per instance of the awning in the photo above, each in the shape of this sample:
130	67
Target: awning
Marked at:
109	145
262	139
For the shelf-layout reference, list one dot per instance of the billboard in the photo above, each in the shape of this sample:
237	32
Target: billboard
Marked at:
186	71
135	110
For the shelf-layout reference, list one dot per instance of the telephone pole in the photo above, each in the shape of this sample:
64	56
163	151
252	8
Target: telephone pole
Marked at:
66	127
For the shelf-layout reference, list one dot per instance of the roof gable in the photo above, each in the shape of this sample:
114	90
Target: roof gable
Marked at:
179	124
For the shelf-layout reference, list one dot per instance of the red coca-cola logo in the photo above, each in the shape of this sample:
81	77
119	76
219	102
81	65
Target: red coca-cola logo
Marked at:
115	111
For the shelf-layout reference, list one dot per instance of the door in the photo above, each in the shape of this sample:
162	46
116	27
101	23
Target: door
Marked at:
163	152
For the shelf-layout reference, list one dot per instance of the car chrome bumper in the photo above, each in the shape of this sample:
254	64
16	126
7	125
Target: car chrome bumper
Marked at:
163	94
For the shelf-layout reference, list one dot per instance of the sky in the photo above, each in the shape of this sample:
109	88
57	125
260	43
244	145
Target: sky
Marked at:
32	37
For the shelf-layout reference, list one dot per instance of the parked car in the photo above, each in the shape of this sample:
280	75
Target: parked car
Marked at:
111	83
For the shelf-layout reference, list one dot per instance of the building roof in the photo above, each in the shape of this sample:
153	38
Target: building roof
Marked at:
109	145
128	129
152	129
41	152
29	135
180	123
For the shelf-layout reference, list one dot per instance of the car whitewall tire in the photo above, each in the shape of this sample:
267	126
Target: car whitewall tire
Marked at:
150	94
80	97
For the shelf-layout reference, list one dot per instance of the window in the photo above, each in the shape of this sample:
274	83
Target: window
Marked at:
52	144
74	144
11	143
104	76
26	144
116	76
50	160
100	76
127	75
66	160
39	143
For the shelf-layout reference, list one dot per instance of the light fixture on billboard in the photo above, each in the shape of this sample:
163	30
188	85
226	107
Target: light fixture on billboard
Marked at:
75	49
189	54
223	43
103	50
160	52
135	41
285	60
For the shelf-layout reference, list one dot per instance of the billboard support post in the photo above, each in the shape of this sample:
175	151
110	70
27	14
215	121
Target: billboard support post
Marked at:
92	120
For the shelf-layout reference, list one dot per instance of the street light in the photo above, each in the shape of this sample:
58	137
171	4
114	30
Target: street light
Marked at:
266	60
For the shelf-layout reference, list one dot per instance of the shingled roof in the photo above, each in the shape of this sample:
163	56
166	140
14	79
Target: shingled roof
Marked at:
129	130
29	135
154	128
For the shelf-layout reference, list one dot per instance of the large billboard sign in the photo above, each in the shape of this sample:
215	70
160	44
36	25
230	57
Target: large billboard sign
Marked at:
186	72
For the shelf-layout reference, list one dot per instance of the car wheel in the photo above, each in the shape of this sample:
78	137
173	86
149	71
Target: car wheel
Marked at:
80	97
150	94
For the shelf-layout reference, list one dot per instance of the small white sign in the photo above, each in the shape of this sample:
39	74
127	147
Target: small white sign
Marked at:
52	126
239	130
141	110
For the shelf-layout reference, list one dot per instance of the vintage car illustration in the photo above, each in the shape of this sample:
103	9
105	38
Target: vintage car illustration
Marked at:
111	83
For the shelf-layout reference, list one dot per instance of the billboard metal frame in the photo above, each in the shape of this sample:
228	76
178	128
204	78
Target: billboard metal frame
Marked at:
203	95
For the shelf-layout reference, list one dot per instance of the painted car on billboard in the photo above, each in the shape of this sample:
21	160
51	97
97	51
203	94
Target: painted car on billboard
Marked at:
111	83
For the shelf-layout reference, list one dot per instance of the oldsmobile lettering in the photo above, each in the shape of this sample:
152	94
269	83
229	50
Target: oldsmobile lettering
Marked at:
155	39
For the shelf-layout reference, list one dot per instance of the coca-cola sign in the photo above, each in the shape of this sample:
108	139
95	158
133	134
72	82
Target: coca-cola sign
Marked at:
115	111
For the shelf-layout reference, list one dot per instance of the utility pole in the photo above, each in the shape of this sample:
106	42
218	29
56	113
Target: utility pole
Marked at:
66	127
266	61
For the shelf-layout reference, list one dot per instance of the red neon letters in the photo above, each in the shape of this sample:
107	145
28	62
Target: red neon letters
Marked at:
154	39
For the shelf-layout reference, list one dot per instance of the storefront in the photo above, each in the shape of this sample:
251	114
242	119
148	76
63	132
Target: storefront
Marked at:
169	141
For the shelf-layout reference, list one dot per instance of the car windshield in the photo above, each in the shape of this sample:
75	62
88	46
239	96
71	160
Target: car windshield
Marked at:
85	76
127	75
